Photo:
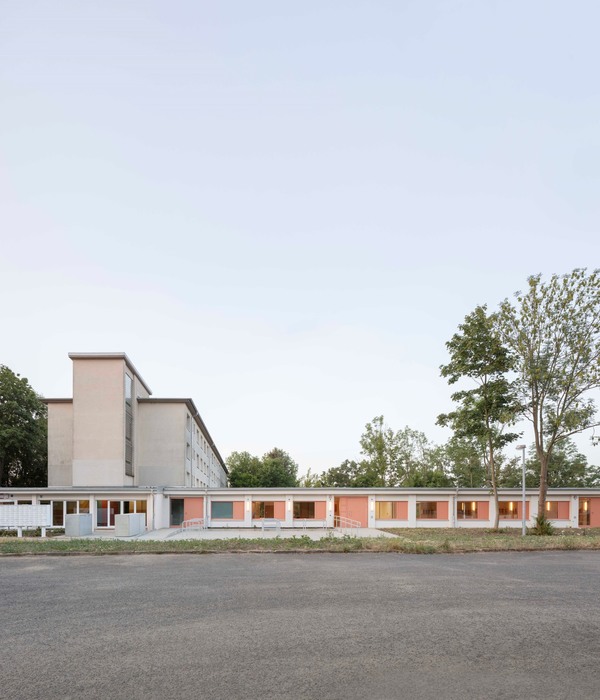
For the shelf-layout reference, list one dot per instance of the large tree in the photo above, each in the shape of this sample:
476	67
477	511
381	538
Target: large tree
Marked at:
553	332
23	433
275	469
483	412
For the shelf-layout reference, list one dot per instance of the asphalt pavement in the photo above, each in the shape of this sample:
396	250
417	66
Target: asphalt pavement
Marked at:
314	626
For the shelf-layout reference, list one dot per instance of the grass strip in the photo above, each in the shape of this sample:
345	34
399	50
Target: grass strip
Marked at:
408	541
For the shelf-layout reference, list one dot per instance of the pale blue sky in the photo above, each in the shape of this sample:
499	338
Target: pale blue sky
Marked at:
284	209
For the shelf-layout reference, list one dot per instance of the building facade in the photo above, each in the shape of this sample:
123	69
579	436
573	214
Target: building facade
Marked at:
112	433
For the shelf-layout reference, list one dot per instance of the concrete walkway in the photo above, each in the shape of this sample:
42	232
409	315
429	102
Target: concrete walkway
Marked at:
171	534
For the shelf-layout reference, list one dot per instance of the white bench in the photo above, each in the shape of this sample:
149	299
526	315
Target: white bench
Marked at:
271	524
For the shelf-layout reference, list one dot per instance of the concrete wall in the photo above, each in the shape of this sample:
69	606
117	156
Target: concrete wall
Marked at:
99	422
60	444
160	442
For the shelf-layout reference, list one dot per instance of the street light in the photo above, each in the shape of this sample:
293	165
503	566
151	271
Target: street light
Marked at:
523	509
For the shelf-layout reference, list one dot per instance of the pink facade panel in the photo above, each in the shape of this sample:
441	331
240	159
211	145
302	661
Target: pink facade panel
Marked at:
563	510
320	510
401	510
193	508
238	510
355	508
442	510
483	510
279	510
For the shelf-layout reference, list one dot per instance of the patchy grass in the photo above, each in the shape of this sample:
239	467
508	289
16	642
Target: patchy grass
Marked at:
409	541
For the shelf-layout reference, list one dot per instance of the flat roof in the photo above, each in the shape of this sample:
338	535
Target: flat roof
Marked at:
110	356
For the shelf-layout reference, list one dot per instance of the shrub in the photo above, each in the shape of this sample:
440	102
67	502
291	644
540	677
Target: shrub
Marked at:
542	527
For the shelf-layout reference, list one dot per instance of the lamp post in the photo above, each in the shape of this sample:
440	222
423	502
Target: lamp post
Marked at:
523	506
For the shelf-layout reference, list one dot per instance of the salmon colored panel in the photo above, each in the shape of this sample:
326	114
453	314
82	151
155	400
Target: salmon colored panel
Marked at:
238	510
320	510
193	508
483	510
563	510
594	512
355	508
279	510
401	510
442	510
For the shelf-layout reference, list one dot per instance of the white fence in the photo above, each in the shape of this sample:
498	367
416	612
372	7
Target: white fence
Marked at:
19	517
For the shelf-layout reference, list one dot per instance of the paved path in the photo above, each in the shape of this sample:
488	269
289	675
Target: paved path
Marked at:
232	533
330	626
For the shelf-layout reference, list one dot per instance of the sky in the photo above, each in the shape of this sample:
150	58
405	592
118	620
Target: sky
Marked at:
283	210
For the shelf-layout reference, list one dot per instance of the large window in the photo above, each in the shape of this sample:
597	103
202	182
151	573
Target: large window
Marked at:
263	509
389	510
223	509
304	509
467	510
427	510
106	510
509	510
128	425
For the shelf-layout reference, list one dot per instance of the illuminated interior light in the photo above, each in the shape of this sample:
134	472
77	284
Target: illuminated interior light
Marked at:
510	506
547	505
585	505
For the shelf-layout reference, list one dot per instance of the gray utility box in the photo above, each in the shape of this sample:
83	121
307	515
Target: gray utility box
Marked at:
130	524
77	525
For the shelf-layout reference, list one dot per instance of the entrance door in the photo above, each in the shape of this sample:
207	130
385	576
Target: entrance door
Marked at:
176	512
355	508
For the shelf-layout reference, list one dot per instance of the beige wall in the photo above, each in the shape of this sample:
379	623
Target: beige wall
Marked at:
160	444
60	444
99	422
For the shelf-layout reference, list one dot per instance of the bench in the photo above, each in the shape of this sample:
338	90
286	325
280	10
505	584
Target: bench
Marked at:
271	524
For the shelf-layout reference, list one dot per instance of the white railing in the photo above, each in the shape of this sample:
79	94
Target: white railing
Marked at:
193	524
271	524
342	523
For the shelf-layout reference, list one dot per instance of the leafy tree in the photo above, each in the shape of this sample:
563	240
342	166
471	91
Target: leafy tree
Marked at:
347	474
379	446
23	433
484	412
279	469
553	332
245	470
464	461
275	469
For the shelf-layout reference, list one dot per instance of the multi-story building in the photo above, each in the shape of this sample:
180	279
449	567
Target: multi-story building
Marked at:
113	434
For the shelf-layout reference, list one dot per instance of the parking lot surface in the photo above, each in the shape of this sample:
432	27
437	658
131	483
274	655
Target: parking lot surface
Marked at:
322	626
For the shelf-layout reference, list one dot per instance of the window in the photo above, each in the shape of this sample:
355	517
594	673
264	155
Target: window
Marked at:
128	425
509	510
223	509
263	509
427	510
466	510
304	509
584	512
388	510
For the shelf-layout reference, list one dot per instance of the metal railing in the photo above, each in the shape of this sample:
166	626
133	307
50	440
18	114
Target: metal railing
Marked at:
341	523
193	524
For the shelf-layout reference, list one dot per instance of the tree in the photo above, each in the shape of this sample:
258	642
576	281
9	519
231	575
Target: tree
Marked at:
484	412
276	468
279	469
23	433
553	332
347	474
464	461
245	470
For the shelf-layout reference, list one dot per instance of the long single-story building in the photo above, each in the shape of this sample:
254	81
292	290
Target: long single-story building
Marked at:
113	450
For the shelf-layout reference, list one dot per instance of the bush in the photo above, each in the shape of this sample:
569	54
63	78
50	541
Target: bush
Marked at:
543	527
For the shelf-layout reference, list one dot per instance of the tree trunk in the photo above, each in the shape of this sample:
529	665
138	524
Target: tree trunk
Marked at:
544	458
494	484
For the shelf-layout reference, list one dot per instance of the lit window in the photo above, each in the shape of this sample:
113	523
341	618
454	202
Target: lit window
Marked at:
466	510
509	510
389	510
427	510
263	509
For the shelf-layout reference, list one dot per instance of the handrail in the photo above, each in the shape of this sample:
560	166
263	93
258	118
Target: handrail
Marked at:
346	523
193	524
